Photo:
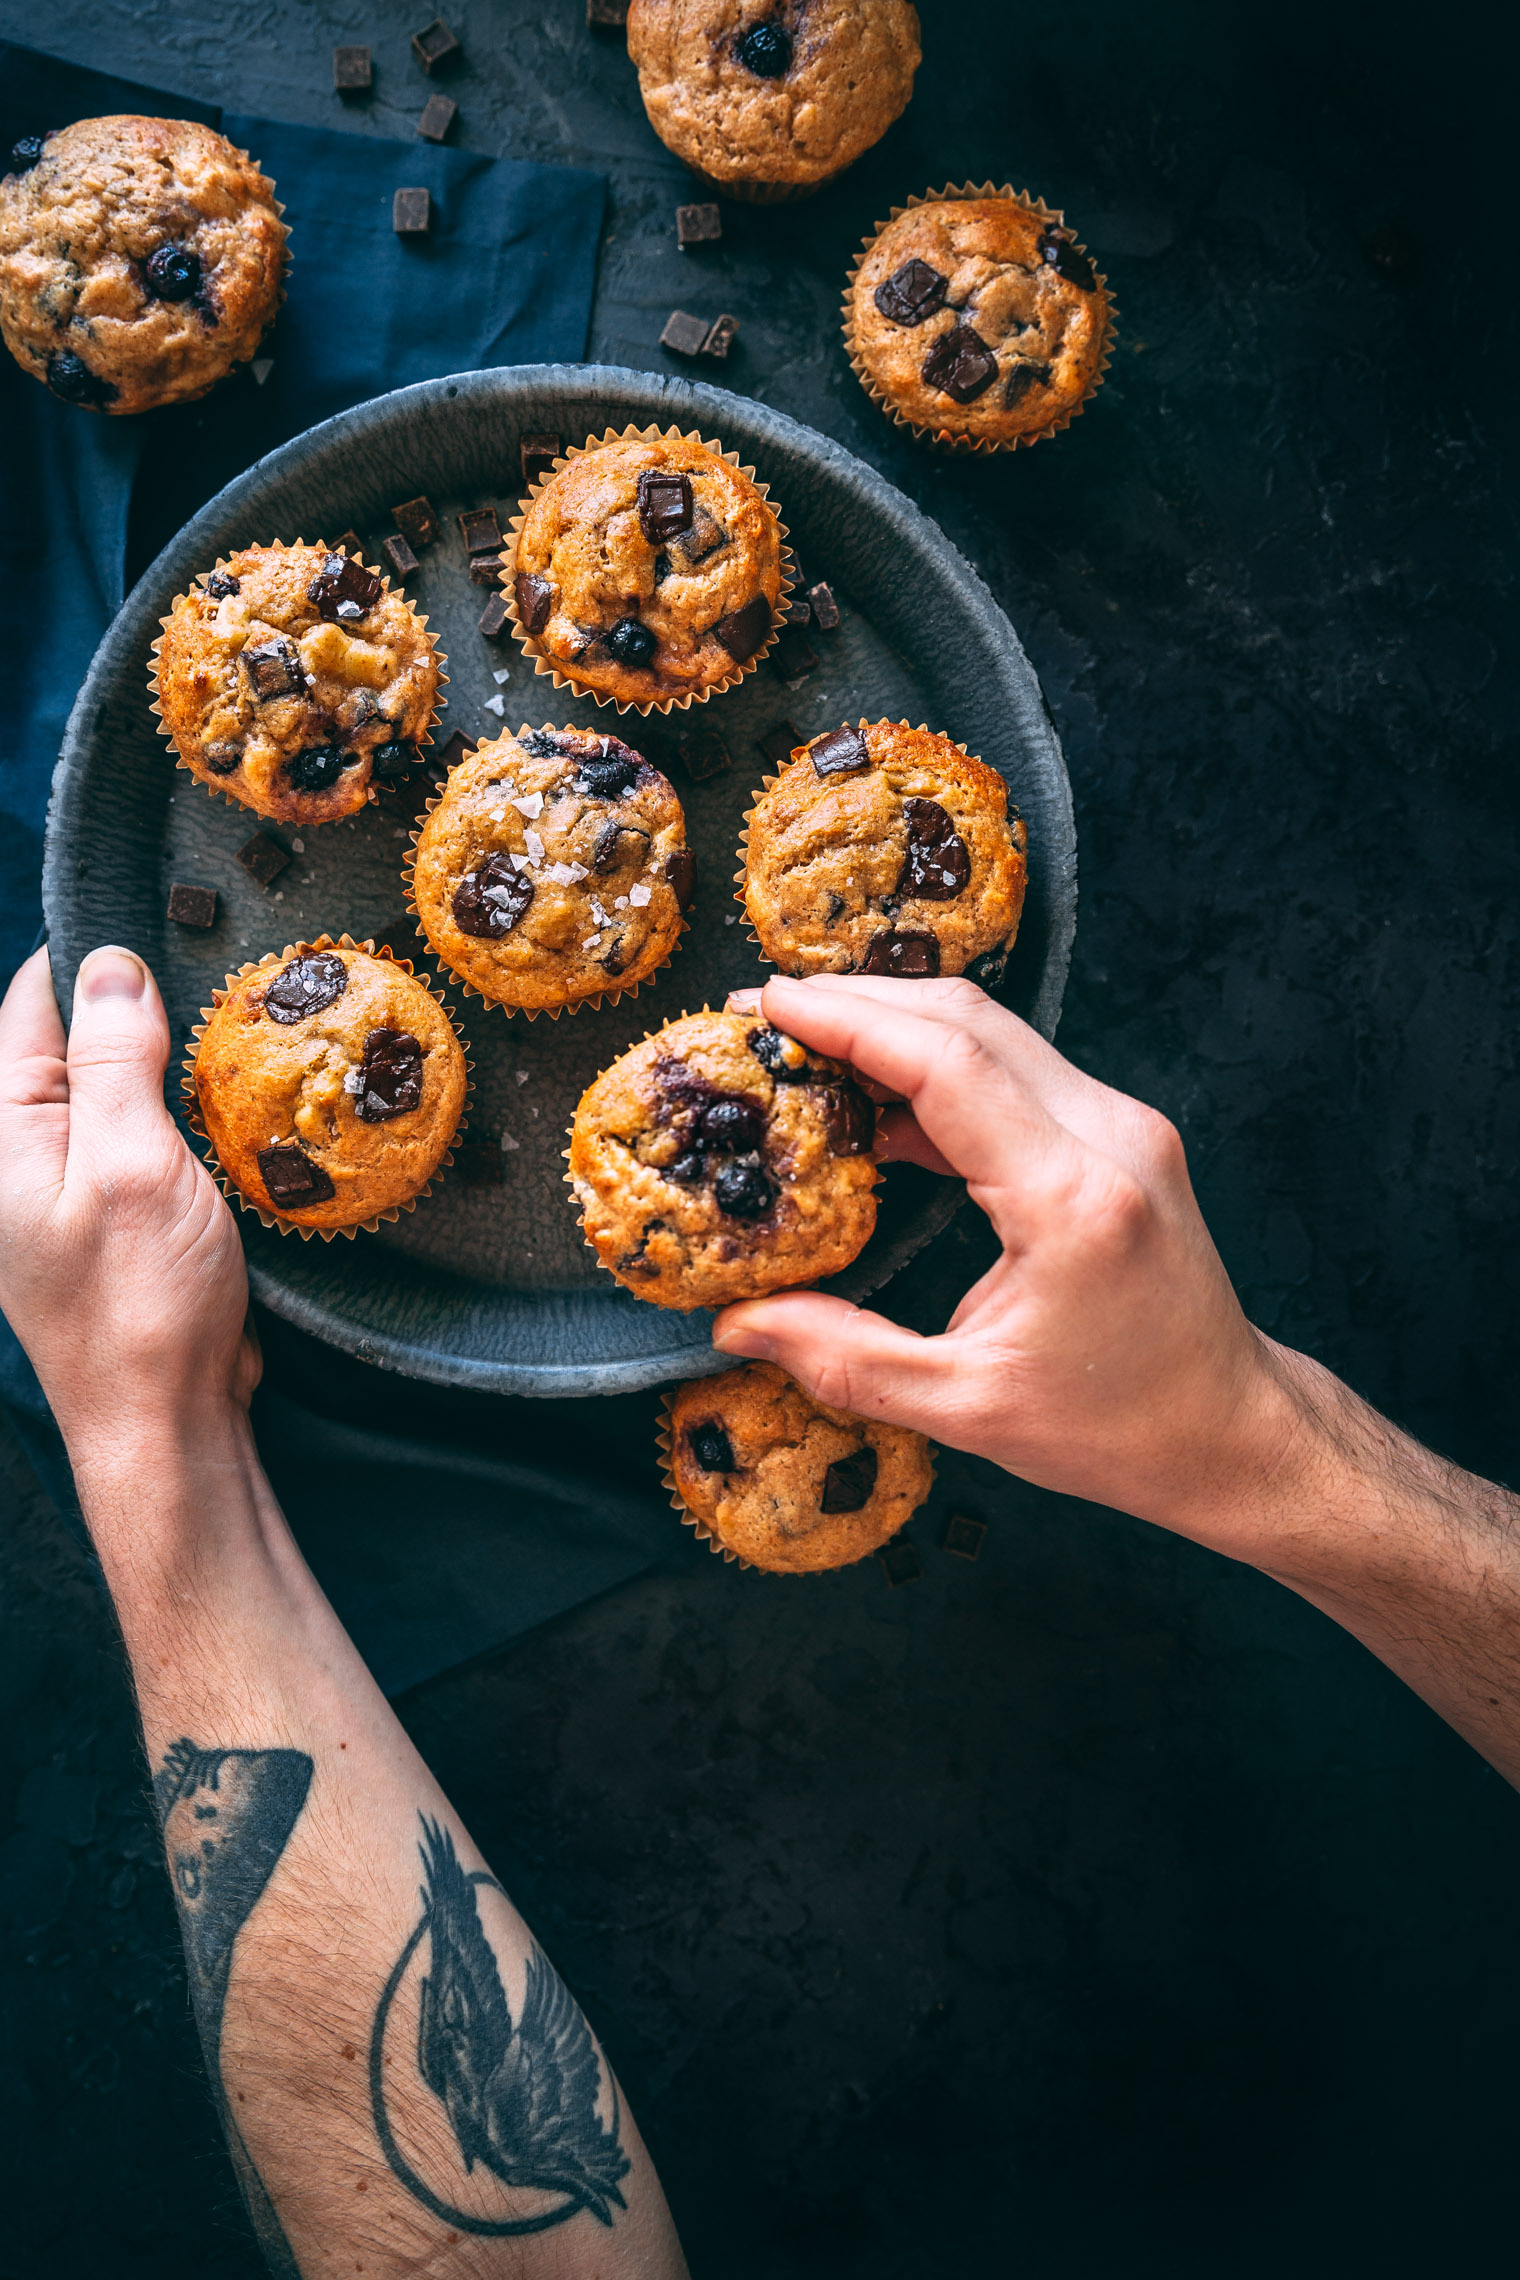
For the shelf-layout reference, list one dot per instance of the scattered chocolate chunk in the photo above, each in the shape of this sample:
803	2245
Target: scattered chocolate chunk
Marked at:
960	364
172	273
192	906
744	1190
305	986
779	1054
486	570
291	1179
489	902
390	1076
798	611
607	775
399	555
480	530
26	152
538	454
963	1537
843	752
478	1162
665	504
705	536
899	1561
730	1126
825	608
435	46
393	761
412	212
766	50
263	858
937	867
349	542
711	1449
274	669
618	844
681	871
72	381
494	618
698	225
318	768
535	599
779	743
416	521
1021	379
686	335
1059	253
744	631
911	293
850	1119
450	754
220	584
438	115
222	758
721	338
849	1481
630	642
794	656
911	955
353	73
987	971
704	755
607	15
343	590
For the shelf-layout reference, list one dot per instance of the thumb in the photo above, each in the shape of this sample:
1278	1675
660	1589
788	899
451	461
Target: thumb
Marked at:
849	1359
118	1050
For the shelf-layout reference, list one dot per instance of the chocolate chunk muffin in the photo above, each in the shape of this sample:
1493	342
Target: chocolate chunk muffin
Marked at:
777	1480
646	571
769	99
330	1083
554	869
884	849
293	679
719	1160
140	259
975	318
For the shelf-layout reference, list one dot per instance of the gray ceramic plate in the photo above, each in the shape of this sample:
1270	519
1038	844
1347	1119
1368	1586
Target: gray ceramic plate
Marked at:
493	1286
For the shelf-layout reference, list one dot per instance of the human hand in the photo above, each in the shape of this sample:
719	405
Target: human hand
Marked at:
120	1268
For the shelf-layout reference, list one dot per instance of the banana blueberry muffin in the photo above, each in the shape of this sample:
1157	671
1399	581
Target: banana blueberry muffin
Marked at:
553	869
884	849
767	99
291	678
329	1082
978	319
140	259
647	570
785	1483
719	1160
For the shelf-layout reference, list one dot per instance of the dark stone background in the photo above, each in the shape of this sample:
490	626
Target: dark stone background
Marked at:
1097	1909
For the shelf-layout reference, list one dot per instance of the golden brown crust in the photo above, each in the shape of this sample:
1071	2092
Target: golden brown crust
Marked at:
850	76
78	228
827	857
649	1194
768	1509
358	686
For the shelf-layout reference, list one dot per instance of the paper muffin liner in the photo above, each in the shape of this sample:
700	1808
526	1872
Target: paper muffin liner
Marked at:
191	1098
221	790
945	439
468	988
564	677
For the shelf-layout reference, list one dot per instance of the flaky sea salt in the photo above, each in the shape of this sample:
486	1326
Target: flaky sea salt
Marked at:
535	844
591	942
501	674
354	1081
531	804
563	874
639	895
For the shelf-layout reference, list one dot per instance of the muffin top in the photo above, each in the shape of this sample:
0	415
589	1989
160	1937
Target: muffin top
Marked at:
330	1083
719	1160
291	677
787	91
554	868
647	570
884	849
782	1481
974	317
140	259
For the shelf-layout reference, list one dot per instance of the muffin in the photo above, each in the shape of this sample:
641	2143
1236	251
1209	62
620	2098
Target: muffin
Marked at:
777	1480
720	1160
330	1083
292	679
553	869
884	849
975	318
645	571
140	259
768	99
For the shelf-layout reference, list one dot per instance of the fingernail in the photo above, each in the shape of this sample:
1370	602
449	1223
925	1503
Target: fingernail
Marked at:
753	1344
743	1001
112	973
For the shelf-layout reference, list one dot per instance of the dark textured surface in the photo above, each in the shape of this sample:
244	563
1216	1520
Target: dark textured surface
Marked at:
1095	1910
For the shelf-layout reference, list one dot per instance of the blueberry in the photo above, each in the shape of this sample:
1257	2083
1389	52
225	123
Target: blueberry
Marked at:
731	1128
220	584
72	381
172	273
26	152
318	768
608	778
711	1449
688	1169
766	50
782	1055
744	1190
630	642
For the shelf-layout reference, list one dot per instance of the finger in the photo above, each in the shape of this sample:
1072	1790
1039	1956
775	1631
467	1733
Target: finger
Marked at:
901	1140
34	1085
851	1359
118	1050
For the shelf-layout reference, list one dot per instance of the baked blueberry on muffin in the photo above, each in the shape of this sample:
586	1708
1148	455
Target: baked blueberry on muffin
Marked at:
719	1160
777	1480
884	849
292	678
140	259
769	99
646	571
330	1083
553	869
977	319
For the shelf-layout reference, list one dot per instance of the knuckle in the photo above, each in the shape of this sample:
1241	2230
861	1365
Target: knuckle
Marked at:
1117	1208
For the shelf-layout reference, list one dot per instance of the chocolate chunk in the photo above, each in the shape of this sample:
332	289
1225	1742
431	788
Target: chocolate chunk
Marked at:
172	273
352	70
535	599
630	642
455	750
686	335
416	521
222	758
744	1190
704	755
291	1179
711	1449
480	530
607	776
849	1481
390	1076
392	761
263	858
435	46
665	504
850	1119
960	364
305	986
937	867
319	766
607	15
766	50
349	542
412	212
899	1561
725	331
489	902
681	871
399	555
835	909
825	608
730	1126
72	381
912	955
613	959
618	844
794	656
494	618
689	1168
538	454
478	1162
26	152
343	590
192	906
987	971
220	584
744	631
698	225
438	115
781	1055
963	1536
843	752
486	570
911	293
779	743
798	611
1021	379
1058	253
705	536
274	669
